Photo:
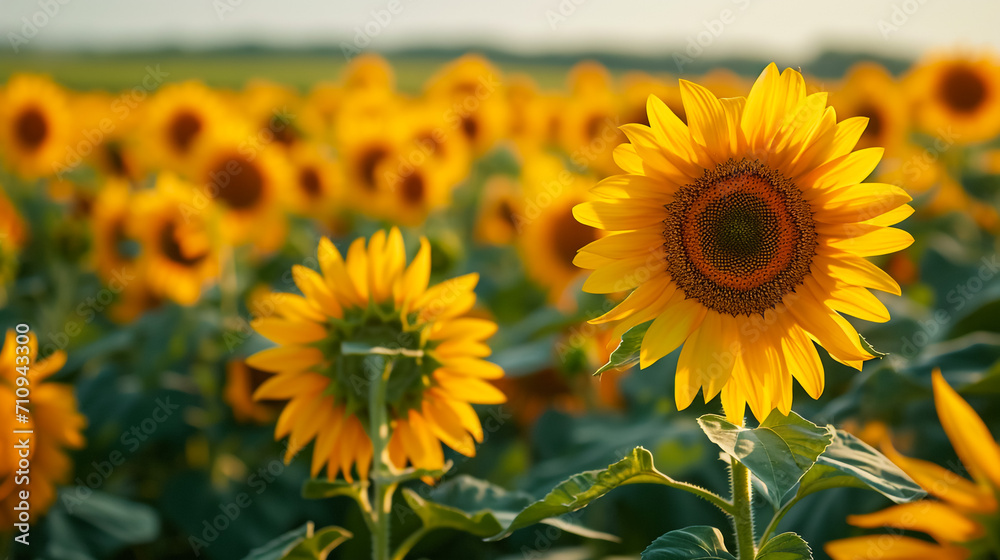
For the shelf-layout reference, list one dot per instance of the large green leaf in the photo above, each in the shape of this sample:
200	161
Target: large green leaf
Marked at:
693	543
778	452
627	353
581	489
302	543
850	462
786	546
480	508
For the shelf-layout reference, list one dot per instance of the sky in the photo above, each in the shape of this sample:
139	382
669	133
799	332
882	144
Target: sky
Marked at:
786	30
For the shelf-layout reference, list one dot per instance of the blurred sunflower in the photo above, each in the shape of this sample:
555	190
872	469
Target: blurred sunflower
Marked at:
430	141
36	126
963	521
272	108
472	89
55	420
367	141
176	122
957	97
317	180
588	127
372	298
549	234
114	154
530	126
179	252
319	110
369	72
868	90
415	191
743	235
114	249
242	381
248	182
500	211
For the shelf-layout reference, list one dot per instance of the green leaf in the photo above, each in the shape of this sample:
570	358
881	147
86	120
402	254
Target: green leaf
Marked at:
315	489
276	548
786	546
778	452
319	545
693	543
480	508
581	489
627	353
850	462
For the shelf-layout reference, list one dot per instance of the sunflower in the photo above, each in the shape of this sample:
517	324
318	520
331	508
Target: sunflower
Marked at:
55	420
272	108
500	211
114	249
870	91
588	126
316	178
430	141
549	234
372	298
319	110
369	135
965	511
743	234
957	96
472	89
530	126
241	383
414	190
179	253
369	72
36	126
247	181
176	122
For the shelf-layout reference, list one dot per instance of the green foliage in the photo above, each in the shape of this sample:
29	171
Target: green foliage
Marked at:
302	543
627	353
786	546
778	452
693	543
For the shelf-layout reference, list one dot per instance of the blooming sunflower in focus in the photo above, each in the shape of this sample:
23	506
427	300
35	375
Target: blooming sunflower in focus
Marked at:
179	250
957	96
35	126
966	510
372	298
56	422
742	237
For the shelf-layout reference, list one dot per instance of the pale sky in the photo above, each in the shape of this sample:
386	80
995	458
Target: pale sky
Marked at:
786	30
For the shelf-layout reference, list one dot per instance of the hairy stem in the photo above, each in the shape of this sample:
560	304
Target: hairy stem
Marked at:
383	488
743	511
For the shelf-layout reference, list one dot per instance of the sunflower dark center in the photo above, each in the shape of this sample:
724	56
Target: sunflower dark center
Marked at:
245	186
739	238
568	235
507	213
309	182
470	126
874	114
413	189
183	129
31	129
962	89
172	249
367	164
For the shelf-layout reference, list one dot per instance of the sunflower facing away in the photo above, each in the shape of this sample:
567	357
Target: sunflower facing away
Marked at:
963	521
742	236
372	298
56	423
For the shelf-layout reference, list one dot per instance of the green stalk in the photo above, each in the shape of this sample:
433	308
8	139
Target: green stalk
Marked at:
383	487
743	511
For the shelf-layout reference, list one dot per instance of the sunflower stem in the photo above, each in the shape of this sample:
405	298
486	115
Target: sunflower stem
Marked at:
743	511
384	485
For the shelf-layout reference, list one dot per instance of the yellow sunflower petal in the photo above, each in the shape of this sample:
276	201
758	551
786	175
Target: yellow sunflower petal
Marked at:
937	519
969	436
286	358
891	547
670	329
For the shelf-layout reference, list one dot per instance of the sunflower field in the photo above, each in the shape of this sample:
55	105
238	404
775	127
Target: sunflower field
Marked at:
465	310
